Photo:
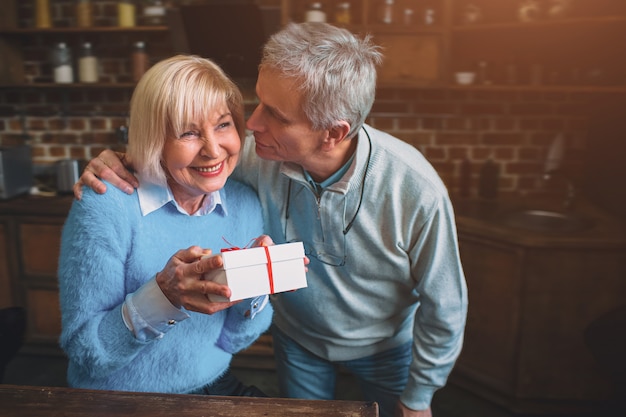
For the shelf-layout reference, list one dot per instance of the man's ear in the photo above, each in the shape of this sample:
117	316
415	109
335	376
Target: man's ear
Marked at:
336	134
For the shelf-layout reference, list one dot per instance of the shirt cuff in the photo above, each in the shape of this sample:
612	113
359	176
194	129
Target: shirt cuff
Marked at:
148	313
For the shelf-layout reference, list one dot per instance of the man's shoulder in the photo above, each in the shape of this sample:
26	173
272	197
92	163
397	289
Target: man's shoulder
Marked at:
398	161
386	142
402	155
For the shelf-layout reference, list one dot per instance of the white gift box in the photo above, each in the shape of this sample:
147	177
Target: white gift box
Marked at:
261	270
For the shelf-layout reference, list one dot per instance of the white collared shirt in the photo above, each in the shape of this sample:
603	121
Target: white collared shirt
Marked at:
154	196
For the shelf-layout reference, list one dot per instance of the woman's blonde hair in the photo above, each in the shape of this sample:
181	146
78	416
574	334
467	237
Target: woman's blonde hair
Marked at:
169	97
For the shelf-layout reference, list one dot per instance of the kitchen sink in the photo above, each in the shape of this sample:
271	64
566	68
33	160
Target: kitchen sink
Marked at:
545	221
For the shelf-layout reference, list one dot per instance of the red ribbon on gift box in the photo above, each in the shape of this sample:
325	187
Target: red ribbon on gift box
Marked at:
270	274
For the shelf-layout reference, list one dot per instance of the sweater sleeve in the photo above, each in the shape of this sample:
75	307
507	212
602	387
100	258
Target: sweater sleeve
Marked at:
94	245
242	328
440	319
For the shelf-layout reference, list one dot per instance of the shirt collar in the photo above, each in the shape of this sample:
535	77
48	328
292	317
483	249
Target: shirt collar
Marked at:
154	196
319	186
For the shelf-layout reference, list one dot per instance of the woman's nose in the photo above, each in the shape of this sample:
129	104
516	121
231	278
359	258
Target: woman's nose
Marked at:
210	147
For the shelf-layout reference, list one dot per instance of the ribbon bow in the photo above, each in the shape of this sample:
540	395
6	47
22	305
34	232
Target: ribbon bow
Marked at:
270	274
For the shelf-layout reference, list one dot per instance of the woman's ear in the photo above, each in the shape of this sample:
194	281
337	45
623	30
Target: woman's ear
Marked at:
336	134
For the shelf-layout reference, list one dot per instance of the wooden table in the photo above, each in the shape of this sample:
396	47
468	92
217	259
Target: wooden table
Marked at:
29	401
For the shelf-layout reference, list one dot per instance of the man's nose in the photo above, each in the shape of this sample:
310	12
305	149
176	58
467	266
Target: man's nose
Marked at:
254	121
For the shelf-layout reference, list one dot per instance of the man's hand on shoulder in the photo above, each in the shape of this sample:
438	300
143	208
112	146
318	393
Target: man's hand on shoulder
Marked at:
110	166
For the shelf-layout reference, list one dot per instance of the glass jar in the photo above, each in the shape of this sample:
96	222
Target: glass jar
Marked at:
42	14
84	13
408	17
126	13
315	13
139	60
385	12
61	58
153	13
87	65
342	13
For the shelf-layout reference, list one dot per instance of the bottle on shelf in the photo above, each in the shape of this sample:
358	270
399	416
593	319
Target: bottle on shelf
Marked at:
484	76
342	13
42	14
408	15
153	13
63	72
385	12
429	16
139	60
126	12
315	13
87	65
84	13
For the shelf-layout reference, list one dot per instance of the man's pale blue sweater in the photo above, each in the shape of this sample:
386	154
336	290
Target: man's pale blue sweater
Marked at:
109	250
393	277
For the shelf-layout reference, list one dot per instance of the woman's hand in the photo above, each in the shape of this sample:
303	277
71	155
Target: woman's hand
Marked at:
182	281
263	240
111	166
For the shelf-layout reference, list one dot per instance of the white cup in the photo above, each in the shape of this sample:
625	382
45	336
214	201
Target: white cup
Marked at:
465	78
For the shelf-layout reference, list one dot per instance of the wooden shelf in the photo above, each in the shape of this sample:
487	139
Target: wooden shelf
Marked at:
95	29
541	24
59	86
618	89
590	89
397	29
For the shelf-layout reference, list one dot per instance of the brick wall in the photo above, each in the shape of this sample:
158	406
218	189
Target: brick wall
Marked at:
513	128
447	125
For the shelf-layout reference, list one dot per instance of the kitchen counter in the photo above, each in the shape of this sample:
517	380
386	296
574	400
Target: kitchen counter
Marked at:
486	218
58	205
532	295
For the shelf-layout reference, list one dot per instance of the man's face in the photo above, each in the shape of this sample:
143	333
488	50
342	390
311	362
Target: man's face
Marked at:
281	130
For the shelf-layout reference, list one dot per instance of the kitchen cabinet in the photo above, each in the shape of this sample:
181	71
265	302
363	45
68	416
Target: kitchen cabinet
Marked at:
426	42
26	49
543	45
112	46
6	285
575	49
412	35
30	233
532	295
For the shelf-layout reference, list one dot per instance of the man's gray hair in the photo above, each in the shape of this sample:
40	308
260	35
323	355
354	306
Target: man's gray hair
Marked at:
336	71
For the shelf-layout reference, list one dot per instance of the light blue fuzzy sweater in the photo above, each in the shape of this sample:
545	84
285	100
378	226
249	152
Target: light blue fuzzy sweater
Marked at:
108	250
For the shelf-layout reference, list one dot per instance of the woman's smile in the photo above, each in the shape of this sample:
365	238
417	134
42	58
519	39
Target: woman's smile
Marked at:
212	170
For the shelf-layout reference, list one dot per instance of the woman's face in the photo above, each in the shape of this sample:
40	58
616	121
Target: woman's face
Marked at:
202	157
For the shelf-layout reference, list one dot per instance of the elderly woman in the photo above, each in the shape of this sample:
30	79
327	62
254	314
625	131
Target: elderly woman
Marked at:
135	312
